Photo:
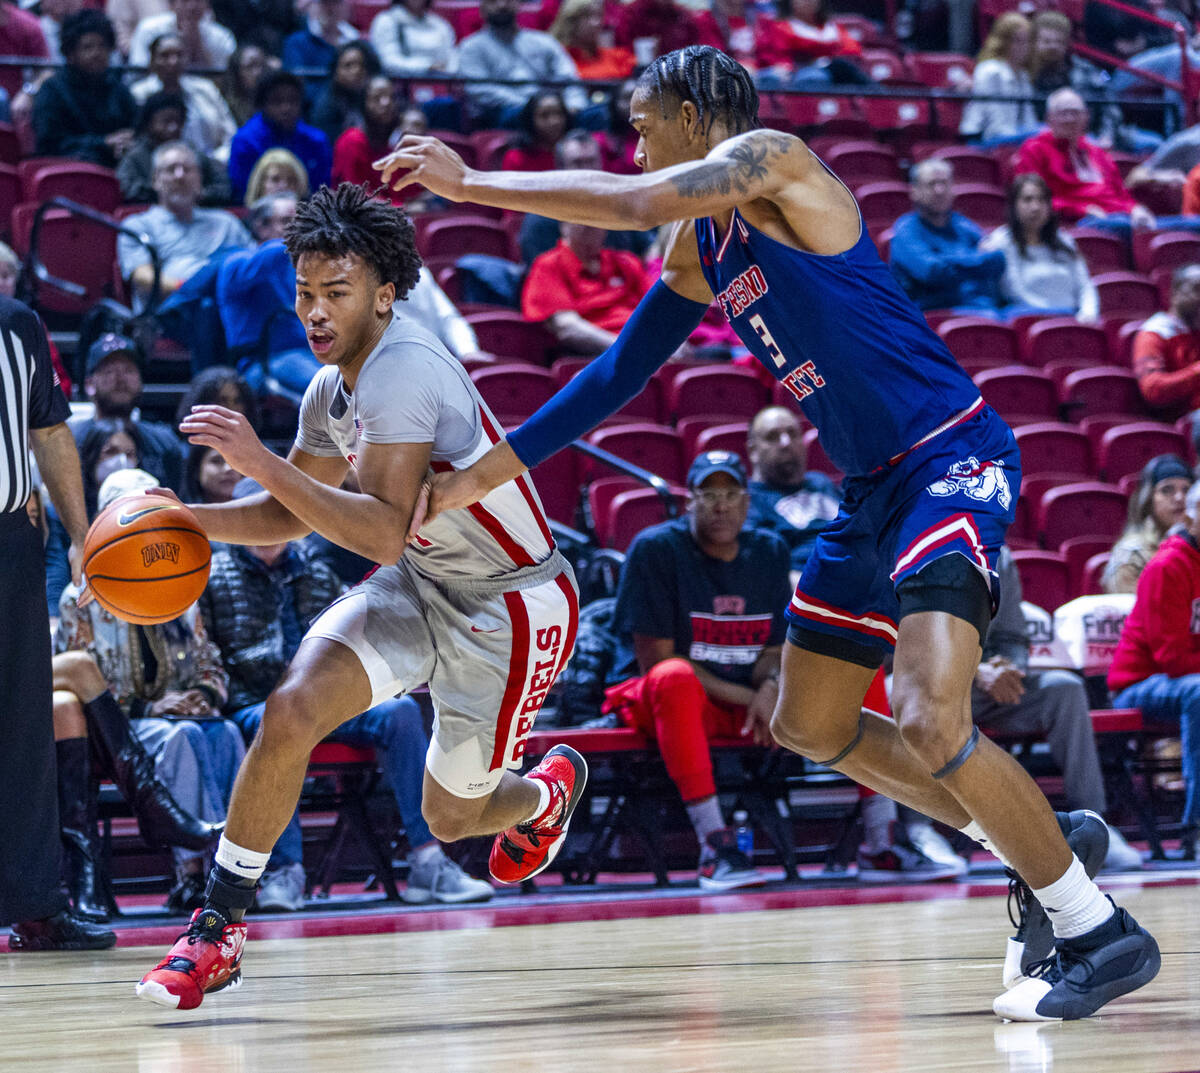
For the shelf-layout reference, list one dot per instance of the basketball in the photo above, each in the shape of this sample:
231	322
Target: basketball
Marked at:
146	558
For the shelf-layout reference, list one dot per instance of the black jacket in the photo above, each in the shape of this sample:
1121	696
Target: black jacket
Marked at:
73	113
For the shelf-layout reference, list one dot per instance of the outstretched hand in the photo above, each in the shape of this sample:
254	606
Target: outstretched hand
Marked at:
230	434
421	159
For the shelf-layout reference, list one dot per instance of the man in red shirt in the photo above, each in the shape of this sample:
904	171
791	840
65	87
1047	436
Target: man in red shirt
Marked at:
1156	666
582	291
1166	351
1083	179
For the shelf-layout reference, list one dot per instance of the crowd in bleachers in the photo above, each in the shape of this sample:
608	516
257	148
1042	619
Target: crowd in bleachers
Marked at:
1047	225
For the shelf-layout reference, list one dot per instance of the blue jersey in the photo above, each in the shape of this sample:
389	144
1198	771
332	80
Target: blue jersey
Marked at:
843	338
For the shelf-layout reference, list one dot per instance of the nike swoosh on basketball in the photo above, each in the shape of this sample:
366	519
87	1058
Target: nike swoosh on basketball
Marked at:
476	629
129	519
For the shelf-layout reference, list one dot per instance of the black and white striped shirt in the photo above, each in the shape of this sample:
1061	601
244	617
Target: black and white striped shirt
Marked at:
30	397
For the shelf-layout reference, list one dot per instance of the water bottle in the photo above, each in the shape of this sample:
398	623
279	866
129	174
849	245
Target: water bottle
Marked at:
745	833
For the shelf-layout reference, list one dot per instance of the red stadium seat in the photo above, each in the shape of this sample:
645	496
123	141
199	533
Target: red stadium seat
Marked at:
646	405
1078	551
10	197
1106	390
600	494
1102	250
490	147
722	390
1088	508
832	114
62	243
514	391
1044	578
976	338
1126	293
984	204
1171	249
89	184
631	512
656	448
1093	573
1053	446
941	70
971	165
731	437
1120	340
884	65
1127	448
363	12
1063	337
895	118
858	163
1014	390
883	203
507	334
10	145
818	460
463	144
557	484
458	235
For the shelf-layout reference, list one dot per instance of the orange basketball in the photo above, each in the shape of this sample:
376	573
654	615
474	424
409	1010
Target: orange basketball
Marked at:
146	558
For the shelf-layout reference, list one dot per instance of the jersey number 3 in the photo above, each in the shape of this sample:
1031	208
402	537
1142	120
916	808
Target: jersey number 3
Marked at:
757	323
800	382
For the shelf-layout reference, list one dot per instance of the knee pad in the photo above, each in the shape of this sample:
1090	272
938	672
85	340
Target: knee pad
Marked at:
950	584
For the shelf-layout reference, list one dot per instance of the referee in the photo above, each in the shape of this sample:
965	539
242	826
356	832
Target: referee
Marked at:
33	410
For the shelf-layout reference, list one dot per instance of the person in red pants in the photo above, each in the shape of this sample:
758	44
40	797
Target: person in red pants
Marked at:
700	619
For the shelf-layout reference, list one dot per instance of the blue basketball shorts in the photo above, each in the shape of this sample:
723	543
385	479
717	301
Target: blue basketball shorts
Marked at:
953	495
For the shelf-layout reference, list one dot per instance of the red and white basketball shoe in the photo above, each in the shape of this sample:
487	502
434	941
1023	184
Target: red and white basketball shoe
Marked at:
205	958
521	852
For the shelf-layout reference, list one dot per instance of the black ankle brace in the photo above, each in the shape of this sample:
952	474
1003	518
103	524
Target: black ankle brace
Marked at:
229	893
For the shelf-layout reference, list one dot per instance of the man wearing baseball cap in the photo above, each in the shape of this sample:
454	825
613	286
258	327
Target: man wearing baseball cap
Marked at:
700	617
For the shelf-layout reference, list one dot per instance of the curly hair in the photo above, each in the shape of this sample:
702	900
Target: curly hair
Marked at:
715	83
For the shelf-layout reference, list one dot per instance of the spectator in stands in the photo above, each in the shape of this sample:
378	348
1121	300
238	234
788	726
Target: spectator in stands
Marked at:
1084	180
785	497
579	28
257	606
1156	666
618	140
1008	698
84	111
246	67
730	26
1191	192
543	122
220	385
265	23
210	125
503	50
207	45
113	382
20	35
207	477
1044	271
700	619
277	124
375	136
1170	163
167	680
582	291
935	251
340	104
1166	352
185	235
1119	32
804	47
105	446
126	14
1002	69
50	17
314	47
1155	507
411	39
656	26
163	119
277	171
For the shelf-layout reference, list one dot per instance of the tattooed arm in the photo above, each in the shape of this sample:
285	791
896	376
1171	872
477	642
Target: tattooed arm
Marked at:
758	164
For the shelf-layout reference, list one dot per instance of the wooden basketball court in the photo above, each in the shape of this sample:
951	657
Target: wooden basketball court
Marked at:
717	983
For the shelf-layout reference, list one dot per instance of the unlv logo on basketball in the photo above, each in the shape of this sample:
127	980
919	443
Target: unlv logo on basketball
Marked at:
163	549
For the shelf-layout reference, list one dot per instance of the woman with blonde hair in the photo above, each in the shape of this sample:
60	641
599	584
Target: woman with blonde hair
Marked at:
277	171
579	28
1156	505
1002	70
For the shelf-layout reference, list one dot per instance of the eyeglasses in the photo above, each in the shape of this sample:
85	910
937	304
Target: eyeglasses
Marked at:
729	498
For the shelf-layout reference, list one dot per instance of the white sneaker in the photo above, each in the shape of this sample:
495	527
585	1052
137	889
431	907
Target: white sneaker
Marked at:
1121	856
931	845
440	879
282	890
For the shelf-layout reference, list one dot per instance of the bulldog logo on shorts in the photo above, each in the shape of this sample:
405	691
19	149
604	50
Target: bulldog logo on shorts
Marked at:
977	480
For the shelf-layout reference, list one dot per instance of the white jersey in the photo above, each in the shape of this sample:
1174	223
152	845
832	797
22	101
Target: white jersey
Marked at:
411	390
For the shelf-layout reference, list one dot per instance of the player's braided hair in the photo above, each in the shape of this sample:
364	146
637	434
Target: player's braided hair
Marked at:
351	219
715	83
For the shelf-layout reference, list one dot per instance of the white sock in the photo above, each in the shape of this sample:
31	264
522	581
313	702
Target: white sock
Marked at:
543	789
878	813
1074	903
973	830
706	817
243	862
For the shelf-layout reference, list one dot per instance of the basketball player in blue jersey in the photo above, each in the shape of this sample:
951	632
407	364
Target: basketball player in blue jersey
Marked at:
933	474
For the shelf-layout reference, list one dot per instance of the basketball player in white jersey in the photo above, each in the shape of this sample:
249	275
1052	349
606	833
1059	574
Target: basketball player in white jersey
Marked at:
482	607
